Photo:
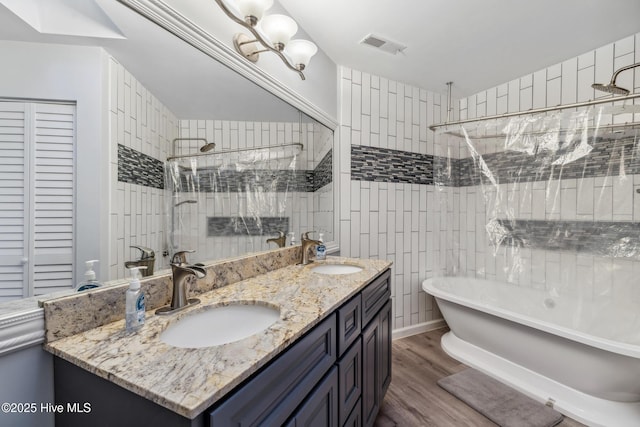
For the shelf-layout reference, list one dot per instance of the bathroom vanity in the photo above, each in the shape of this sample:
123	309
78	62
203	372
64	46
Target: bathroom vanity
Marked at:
325	362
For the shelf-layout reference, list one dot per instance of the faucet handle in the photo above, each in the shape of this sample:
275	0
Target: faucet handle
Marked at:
180	257
146	252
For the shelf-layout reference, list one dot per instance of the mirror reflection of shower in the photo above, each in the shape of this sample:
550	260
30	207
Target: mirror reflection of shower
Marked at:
612	87
176	218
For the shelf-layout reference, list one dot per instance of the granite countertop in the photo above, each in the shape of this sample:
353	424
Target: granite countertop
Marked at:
188	381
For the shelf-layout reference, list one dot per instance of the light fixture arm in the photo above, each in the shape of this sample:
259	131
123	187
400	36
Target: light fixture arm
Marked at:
618	71
258	37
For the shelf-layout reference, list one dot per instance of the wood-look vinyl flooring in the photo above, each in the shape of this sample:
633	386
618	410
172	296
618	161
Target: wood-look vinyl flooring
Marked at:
414	399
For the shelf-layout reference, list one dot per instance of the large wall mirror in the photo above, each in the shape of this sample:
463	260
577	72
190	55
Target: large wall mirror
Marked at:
140	103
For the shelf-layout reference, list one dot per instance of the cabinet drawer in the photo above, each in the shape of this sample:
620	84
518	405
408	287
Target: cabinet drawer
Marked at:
349	323
270	397
374	296
350	380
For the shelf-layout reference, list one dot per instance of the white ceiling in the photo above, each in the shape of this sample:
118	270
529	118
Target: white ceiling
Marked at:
477	44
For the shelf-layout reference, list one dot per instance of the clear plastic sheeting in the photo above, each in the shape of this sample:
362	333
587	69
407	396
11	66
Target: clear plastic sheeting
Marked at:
547	201
228	203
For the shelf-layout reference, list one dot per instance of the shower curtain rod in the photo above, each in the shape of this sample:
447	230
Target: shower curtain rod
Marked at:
538	110
237	150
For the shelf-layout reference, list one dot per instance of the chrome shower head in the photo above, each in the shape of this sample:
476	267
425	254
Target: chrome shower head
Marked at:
610	88
185	201
207	147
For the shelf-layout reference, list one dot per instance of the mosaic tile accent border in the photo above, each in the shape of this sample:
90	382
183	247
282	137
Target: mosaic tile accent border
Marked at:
615	239
386	165
135	167
606	158
230	181
237	226
323	173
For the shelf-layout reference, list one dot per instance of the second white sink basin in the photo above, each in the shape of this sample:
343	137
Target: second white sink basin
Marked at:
219	325
336	269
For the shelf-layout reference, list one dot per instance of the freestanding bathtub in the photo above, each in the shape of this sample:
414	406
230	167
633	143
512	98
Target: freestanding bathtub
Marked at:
582	357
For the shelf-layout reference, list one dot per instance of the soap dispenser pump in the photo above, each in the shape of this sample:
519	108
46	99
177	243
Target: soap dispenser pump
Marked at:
135	305
90	281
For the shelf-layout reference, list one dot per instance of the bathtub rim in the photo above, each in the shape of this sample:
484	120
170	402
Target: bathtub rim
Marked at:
630	350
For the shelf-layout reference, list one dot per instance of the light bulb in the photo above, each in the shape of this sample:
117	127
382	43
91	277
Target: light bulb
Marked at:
300	53
278	29
253	10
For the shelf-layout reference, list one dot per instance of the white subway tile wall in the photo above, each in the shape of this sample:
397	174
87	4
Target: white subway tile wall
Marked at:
400	222
137	120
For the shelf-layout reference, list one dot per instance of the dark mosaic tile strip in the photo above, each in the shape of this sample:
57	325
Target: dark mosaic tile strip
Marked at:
614	239
385	165
260	180
323	173
607	158
135	167
238	226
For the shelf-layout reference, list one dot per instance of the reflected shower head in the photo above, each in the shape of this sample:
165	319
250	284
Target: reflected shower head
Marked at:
612	87
185	201
207	147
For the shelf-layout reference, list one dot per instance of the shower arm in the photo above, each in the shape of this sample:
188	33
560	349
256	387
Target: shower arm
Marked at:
539	110
618	71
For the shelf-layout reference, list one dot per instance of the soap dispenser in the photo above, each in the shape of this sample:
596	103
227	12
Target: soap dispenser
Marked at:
321	249
135	306
90	281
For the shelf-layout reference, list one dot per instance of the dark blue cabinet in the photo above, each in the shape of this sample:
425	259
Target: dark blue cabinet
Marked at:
376	363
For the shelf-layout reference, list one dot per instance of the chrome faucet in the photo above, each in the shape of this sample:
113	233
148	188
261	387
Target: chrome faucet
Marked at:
307	244
147	259
281	240
183	273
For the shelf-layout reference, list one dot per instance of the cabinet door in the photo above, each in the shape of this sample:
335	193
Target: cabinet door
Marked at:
320	409
370	373
376	363
385	348
355	418
350	380
271	396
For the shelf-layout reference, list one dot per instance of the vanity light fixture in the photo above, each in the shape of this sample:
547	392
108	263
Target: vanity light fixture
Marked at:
272	33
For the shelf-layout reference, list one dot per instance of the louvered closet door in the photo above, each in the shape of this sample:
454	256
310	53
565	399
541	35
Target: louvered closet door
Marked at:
53	198
37	193
14	201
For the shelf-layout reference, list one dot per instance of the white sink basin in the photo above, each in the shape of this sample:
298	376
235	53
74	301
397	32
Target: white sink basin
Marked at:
219	325
336	269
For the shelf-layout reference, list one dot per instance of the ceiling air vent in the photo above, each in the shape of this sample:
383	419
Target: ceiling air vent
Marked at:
383	44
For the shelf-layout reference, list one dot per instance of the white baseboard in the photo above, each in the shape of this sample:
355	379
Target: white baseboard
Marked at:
418	329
